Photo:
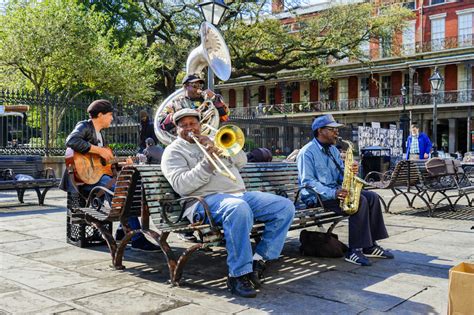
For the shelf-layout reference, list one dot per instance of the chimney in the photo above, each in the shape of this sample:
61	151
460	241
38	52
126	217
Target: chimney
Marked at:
277	6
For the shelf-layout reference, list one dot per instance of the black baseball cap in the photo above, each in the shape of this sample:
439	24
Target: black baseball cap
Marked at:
191	78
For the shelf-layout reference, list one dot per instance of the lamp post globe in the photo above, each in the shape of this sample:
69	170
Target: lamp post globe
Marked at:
213	11
436	81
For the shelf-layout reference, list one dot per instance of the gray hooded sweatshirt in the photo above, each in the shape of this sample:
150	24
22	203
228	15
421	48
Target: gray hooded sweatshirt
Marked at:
191	174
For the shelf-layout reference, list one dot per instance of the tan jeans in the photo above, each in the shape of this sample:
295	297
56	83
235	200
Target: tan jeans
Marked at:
414	157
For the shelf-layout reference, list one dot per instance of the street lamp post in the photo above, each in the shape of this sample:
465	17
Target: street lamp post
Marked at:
404	119
436	80
213	11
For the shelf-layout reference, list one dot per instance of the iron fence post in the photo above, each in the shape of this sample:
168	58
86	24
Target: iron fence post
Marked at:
46	94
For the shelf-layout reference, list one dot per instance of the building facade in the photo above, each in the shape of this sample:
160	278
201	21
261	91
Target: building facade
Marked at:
439	36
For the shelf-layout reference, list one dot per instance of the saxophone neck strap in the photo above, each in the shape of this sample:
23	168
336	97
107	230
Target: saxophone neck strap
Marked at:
327	151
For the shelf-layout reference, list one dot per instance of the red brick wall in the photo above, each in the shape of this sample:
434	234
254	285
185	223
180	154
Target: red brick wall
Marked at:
451	78
313	91
423	79
232	98
374	86
353	87
396	82
295	93
278	96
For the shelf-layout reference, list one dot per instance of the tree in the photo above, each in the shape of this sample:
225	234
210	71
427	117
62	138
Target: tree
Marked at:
260	46
59	46
263	48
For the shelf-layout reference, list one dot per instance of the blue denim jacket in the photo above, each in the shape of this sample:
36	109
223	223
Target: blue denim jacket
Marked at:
318	171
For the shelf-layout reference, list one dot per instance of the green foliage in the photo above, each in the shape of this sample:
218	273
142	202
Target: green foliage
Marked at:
122	146
265	47
59	46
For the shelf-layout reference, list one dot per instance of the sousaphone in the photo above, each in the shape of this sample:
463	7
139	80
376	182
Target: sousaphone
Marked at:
213	53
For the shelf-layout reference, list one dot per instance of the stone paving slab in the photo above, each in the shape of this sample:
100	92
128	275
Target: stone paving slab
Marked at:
41	273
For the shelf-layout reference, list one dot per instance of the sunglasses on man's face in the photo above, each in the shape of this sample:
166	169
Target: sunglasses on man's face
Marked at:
333	129
196	85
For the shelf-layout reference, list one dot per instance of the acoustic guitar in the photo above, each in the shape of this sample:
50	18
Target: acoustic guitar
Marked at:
89	167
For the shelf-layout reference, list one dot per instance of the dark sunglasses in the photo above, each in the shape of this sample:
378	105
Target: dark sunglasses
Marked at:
333	129
196	85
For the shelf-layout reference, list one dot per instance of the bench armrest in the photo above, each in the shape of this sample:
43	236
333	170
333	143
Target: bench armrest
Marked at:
48	173
95	193
207	211
383	177
298	194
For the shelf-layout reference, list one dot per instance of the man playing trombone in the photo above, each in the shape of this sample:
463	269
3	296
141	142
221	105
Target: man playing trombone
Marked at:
192	171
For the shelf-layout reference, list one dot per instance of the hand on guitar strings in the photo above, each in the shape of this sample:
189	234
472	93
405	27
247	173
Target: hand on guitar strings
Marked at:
106	154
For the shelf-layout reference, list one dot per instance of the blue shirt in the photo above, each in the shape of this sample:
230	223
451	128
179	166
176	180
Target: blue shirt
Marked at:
318	171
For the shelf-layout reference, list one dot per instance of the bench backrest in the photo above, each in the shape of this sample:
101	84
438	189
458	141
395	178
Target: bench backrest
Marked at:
28	165
270	177
405	174
127	194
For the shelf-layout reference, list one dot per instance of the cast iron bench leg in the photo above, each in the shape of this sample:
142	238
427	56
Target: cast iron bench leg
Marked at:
20	192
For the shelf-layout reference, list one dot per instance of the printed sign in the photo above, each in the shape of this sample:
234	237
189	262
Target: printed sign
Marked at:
387	138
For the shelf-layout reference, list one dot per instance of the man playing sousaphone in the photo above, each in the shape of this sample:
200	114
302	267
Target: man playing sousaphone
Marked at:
195	98
321	169
188	168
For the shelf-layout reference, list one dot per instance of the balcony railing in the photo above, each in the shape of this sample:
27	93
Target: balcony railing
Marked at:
410	49
361	104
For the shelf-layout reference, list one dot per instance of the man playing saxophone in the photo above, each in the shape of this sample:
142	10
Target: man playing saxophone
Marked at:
321	170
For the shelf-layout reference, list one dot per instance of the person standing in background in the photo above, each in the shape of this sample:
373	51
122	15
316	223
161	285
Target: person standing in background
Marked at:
146	130
418	144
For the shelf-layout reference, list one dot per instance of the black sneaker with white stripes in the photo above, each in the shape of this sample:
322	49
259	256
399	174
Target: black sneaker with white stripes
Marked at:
377	252
356	257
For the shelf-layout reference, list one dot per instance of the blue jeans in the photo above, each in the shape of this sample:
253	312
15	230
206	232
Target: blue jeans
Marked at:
133	222
237	214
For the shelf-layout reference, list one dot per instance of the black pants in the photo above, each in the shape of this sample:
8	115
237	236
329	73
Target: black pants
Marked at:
365	226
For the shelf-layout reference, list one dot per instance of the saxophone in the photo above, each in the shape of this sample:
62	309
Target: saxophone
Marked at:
352	183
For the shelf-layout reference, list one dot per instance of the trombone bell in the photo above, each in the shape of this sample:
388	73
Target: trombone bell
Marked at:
230	139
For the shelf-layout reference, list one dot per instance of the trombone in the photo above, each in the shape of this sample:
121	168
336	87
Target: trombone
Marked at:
230	140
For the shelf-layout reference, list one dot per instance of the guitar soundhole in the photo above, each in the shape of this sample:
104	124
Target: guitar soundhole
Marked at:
102	161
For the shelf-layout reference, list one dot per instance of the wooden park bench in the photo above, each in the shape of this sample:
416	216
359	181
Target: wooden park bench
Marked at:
447	178
42	178
404	180
164	207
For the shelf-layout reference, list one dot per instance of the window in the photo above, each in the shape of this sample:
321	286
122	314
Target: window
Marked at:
364	92
464	82
437	34
289	93
437	1
386	47
271	96
386	89
323	92
409	39
465	29
365	48
343	89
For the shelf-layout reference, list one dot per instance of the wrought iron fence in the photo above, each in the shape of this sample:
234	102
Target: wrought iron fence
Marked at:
39	124
360	104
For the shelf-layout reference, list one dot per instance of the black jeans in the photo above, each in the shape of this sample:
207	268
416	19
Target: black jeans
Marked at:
365	226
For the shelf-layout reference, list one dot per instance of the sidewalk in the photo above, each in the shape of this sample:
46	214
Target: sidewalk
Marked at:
41	273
